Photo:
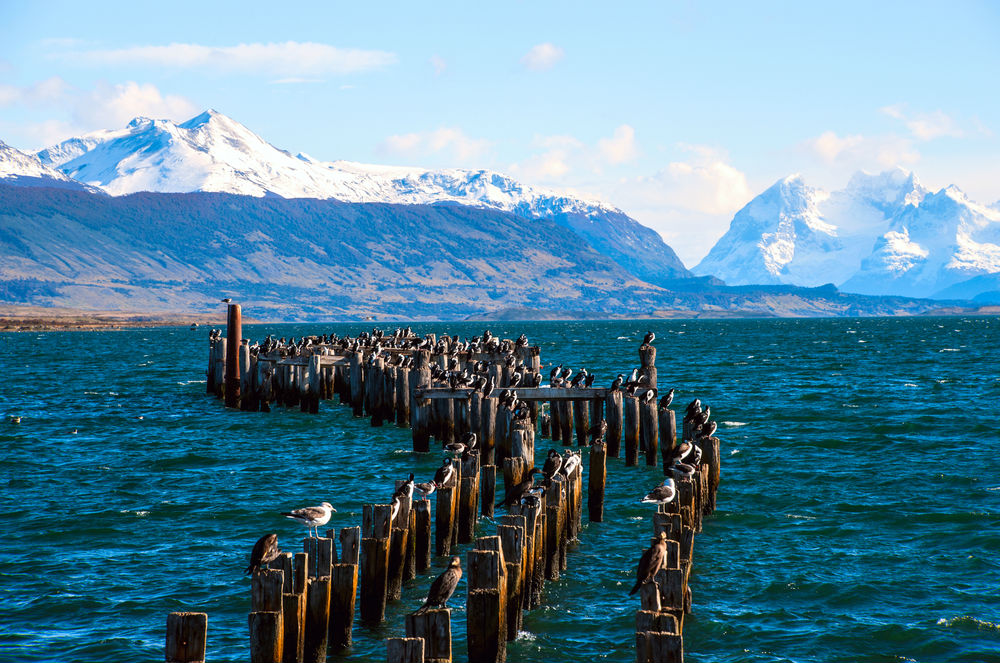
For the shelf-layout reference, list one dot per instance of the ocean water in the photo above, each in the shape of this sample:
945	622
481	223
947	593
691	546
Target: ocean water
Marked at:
858	515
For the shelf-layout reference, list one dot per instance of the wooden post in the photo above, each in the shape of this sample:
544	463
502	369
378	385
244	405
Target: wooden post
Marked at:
513	472
555	413
485	613
631	430
420	412
711	458
469	493
487	428
266	637
357	376
668	435
649	430
434	626
389	393
266	588
397	550
596	478
422	548
315	383
350	545
301	580
444	517
554	525
317	620
581	421
403	397
374	567
246	392
512	539
293	618
658	647
614	419
647	363
234	333
488	484
210	373
566	422
321	555
374	390
522	442
404	650
187	633
344	589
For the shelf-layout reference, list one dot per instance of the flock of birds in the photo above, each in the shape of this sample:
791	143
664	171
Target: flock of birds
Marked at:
683	463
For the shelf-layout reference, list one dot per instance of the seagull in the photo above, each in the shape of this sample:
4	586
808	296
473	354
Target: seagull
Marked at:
312	516
444	473
653	559
227	300
425	489
662	494
682	471
265	550
443	586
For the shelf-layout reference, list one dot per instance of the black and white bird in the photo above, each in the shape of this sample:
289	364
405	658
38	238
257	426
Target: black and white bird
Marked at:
406	488
312	516
227	300
662	494
686	452
648	338
571	462
264	551
708	429
425	490
619	381
552	464
443	586
519	490
681	471
653	559
444	473
649	396
666	400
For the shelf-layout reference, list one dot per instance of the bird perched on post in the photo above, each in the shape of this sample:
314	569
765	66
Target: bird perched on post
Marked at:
227	300
666	400
444	473
552	464
264	551
425	490
519	490
662	494
652	560
443	586
312	516
598	431
648	338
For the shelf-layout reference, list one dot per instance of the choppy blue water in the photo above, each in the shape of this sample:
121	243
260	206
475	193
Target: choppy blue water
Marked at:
859	510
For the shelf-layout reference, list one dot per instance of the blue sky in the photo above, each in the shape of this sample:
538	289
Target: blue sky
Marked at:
677	112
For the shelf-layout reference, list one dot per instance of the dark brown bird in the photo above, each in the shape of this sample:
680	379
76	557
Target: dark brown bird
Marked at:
443	586
264	551
519	490
598	431
651	562
552	463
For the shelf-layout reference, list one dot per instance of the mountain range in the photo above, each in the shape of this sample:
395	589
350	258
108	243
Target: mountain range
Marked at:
169	213
883	234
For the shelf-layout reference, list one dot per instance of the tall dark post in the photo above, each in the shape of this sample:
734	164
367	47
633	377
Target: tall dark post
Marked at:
234	334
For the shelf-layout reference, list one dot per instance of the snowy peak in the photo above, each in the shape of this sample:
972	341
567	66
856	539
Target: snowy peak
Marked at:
212	152
882	234
17	167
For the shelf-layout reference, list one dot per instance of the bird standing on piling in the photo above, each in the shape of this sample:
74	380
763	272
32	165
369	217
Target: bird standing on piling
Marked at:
666	400
444	473
653	559
519	490
425	490
648	338
662	494
598	431
443	586
552	464
312	516
264	551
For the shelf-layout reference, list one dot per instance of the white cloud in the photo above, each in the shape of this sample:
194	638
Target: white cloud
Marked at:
552	163
542	56
925	126
621	147
446	141
439	64
286	59
857	152
71	110
297	79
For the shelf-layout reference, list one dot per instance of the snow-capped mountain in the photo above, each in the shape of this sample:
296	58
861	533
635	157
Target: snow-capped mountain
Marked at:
212	152
19	168
883	234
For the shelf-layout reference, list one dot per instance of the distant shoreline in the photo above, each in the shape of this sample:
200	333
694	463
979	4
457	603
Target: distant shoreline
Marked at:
18	318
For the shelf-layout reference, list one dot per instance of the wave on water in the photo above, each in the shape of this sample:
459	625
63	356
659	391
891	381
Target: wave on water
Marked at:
967	621
949	350
734	424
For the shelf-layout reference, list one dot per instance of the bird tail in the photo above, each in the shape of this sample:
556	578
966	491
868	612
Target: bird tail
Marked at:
638	584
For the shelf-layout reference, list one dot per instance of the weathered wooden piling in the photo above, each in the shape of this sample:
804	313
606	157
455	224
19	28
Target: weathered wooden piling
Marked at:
317	623
187	634
596	478
511	530
266	636
614	417
404	650
444	514
522	442
649	430
434	627
554	525
374	566
485	608
397	549
581	421
668	435
357	383
513	472
710	455
566	422
630	429
234	334
422	539
487	487
468	496
487	430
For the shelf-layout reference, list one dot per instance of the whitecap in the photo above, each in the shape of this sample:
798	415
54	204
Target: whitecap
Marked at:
910	384
734	424
734	452
796	516
624	338
525	635
948	350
